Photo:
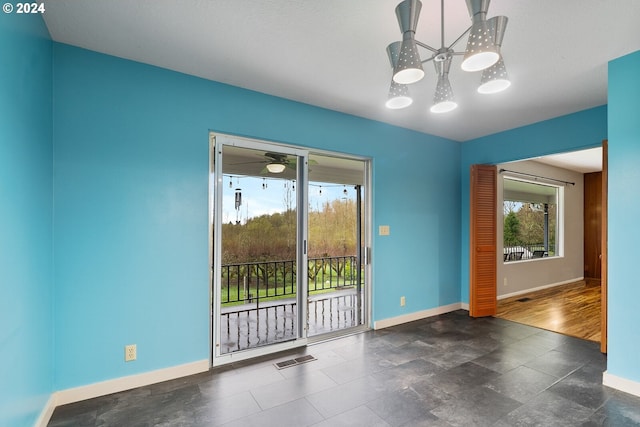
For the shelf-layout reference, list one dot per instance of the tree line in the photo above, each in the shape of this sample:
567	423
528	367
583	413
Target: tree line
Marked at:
524	223
272	237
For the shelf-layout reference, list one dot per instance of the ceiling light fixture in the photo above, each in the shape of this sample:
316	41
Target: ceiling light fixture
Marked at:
482	53
276	167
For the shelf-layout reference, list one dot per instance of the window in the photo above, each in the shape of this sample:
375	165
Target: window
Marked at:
530	221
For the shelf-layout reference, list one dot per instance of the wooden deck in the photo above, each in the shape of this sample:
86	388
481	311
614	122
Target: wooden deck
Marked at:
572	309
262	323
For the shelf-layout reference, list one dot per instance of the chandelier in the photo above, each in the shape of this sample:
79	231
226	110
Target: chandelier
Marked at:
481	54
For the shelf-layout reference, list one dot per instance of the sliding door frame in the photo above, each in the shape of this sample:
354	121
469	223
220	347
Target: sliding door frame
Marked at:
216	141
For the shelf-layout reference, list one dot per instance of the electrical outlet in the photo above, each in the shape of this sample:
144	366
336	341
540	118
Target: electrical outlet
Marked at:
130	353
403	301
384	230
505	282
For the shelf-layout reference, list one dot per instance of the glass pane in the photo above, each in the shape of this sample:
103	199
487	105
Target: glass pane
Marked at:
259	233
335	271
530	220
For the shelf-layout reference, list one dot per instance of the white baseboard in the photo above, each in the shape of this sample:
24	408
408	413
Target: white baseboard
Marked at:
116	385
46	413
126	383
393	321
622	384
539	288
464	306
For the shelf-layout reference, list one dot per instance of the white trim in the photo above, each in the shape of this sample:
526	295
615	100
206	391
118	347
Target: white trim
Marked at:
251	353
47	412
539	288
622	384
393	321
464	306
116	385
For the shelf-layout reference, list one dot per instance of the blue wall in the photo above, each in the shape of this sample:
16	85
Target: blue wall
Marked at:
584	129
624	211
26	265
131	232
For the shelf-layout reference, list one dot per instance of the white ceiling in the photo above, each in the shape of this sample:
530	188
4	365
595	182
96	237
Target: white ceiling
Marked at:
331	53
584	161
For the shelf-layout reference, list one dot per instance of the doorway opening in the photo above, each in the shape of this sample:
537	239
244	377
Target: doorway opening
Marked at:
558	284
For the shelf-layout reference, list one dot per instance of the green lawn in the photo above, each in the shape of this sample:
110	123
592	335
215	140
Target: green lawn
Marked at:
275	293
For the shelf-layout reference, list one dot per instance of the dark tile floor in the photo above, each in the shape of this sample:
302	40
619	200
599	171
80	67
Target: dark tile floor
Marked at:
448	370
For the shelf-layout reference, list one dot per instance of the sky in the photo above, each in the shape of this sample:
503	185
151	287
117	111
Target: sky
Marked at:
260	196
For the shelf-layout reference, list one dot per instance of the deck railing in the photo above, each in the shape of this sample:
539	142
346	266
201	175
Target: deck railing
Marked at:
246	282
258	300
520	252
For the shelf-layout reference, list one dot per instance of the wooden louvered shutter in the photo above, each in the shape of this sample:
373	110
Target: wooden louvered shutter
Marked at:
483	219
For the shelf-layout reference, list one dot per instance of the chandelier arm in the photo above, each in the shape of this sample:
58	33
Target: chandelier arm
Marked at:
442	23
460	38
426	46
427	60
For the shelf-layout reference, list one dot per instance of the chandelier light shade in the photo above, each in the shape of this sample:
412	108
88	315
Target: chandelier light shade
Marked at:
276	167
408	68
482	53
443	100
398	93
398	97
495	78
498	25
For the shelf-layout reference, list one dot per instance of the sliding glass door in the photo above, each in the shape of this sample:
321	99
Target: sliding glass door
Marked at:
287	238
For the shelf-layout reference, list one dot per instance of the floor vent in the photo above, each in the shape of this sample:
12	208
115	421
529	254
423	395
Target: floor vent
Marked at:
293	362
525	299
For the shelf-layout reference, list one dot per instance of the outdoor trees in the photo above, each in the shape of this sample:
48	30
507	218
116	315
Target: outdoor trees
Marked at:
524	223
272	237
332	229
511	230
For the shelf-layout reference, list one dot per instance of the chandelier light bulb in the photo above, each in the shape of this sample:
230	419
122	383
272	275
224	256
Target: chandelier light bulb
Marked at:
443	107
398	103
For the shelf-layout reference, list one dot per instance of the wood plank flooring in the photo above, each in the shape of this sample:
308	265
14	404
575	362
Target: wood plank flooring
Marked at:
572	309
